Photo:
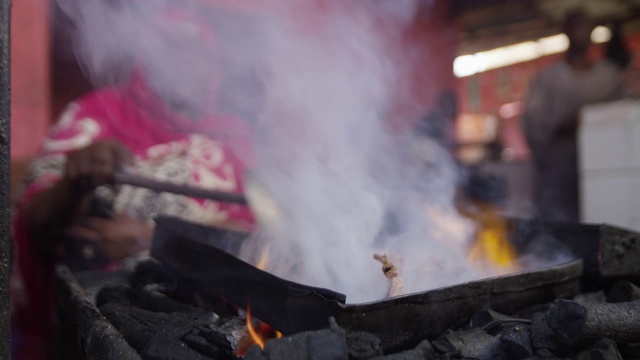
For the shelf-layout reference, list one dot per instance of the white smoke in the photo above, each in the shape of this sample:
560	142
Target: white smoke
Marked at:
341	178
347	186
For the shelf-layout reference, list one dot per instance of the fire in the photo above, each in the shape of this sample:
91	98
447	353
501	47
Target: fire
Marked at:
257	339
257	334
492	245
263	261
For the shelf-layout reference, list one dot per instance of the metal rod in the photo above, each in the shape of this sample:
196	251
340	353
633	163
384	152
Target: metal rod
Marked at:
5	242
160	186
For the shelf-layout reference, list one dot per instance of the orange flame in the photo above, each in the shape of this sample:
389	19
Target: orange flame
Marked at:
257	339
263	261
257	333
492	245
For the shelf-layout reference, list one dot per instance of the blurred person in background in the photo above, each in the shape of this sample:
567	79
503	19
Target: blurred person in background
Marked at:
142	126
551	117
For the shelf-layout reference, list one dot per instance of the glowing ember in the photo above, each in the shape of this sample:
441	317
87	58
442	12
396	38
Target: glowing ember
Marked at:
492	246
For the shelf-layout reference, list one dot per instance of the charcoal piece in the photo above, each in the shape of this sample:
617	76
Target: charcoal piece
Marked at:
623	291
147	300
363	345
486	316
619	322
137	326
544	338
215	351
442	345
155	335
213	336
545	354
474	343
332	345
605	349
567	319
233	328
94	281
153	272
167	342
493	322
597	297
84	333
294	347
166	347
114	294
630	351
255	353
424	351
328	344
530	311
619	253
516	342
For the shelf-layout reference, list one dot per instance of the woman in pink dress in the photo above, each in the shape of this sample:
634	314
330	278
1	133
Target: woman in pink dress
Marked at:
138	127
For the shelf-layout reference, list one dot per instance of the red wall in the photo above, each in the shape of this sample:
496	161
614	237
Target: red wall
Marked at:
30	95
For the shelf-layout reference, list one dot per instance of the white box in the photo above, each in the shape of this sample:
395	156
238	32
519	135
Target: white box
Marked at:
609	163
609	196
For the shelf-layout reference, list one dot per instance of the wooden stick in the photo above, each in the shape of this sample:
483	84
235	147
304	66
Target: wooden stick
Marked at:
391	272
160	186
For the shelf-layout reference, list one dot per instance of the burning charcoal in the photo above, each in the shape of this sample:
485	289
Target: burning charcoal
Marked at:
474	343
604	349
234	329
597	297
363	345
544	338
424	351
328	344
516	342
620	322
623	291
213	336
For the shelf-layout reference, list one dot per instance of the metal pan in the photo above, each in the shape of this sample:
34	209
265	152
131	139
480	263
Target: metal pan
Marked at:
202	260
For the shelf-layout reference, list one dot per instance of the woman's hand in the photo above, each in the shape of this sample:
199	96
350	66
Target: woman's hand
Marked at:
115	238
85	169
95	164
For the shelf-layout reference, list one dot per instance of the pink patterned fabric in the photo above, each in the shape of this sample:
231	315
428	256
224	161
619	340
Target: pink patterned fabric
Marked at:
204	153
